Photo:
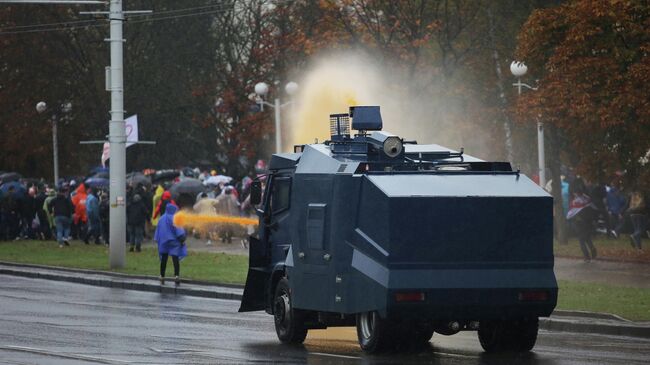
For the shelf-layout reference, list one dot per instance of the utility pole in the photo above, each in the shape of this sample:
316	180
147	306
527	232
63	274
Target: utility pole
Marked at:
116	128
117	141
117	136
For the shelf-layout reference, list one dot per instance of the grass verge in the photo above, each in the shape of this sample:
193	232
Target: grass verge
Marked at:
630	303
214	267
608	248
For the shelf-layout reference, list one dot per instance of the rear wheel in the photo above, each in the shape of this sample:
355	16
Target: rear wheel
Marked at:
421	336
374	333
517	335
289	322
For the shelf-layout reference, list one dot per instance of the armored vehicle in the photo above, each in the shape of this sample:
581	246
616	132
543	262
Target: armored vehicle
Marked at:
400	240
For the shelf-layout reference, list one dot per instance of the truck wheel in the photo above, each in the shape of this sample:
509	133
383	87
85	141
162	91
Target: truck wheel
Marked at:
492	336
519	335
289	322
374	332
525	334
422	336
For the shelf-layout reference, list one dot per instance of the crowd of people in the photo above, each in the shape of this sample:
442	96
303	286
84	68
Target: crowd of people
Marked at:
76	211
610	209
32	210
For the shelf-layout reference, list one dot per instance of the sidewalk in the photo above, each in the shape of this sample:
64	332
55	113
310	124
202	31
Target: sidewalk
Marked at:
567	321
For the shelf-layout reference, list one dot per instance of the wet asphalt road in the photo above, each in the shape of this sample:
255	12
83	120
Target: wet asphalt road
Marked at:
49	322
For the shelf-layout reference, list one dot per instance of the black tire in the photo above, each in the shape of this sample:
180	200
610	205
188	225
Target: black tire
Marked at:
516	335
525	334
491	336
374	333
423	335
289	322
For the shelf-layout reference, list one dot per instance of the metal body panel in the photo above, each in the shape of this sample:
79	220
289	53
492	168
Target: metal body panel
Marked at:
457	185
469	241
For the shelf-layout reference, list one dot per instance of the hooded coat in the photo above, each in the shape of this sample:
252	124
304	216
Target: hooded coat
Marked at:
79	202
168	236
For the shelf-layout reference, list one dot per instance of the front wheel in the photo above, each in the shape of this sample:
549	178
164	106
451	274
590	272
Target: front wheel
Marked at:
516	335
374	333
289	322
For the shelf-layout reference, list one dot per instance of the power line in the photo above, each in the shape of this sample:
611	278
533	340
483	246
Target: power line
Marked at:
94	22
89	23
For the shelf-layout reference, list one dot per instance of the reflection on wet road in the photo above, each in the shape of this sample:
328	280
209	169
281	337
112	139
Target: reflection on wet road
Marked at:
48	322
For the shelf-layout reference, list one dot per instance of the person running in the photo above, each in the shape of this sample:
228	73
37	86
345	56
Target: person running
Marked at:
62	209
581	216
171	242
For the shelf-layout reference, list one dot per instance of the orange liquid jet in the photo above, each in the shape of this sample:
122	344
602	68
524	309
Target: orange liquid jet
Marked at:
185	219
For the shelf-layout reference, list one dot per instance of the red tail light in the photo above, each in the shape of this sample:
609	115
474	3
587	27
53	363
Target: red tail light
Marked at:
409	297
533	296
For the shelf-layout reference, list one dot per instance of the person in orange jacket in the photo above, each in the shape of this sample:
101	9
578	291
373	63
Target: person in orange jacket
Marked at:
79	218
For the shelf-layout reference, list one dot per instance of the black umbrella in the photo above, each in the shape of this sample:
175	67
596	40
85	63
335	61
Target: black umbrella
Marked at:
135	178
187	186
10	176
165	175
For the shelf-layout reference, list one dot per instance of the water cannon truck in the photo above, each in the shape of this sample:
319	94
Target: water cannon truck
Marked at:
400	240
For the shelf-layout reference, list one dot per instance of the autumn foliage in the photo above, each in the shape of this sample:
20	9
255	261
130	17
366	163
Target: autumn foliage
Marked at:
591	59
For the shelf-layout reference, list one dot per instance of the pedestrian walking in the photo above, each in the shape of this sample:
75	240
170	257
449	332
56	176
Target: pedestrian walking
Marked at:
171	242
62	209
581	216
136	217
94	221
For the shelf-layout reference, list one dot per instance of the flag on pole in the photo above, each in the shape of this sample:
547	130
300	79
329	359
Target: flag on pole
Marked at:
106	153
131	125
131	129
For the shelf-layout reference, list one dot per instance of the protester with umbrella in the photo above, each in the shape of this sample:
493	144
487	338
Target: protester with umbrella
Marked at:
185	191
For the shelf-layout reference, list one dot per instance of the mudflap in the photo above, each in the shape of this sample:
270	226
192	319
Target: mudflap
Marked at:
254	298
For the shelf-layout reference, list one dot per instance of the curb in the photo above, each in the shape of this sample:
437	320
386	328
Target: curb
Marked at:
122	281
114	274
553	324
561	320
606	259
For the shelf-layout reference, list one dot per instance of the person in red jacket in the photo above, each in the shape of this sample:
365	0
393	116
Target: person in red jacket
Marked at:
79	218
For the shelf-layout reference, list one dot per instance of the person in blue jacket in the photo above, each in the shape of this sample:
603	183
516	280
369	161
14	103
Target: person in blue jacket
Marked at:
171	242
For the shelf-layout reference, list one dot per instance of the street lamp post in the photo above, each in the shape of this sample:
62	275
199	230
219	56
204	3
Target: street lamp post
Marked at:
518	70
261	89
41	107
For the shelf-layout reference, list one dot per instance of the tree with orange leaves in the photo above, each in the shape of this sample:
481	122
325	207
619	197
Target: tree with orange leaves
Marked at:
591	59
